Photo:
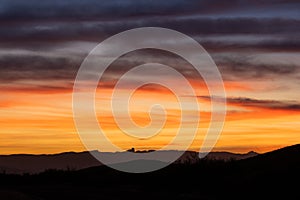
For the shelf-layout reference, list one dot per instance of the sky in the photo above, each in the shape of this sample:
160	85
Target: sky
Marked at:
255	44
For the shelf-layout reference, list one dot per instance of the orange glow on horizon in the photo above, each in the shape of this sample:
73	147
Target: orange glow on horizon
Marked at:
35	121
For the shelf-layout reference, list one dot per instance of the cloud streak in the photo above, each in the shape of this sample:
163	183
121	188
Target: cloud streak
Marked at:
260	103
246	66
91	9
96	30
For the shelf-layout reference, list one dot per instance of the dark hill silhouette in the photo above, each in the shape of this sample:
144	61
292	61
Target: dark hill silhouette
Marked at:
25	163
279	161
274	175
283	156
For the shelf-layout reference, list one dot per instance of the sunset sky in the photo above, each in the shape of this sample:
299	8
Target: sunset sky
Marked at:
255	44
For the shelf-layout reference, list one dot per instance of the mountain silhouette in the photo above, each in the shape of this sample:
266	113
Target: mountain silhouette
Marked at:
26	163
272	175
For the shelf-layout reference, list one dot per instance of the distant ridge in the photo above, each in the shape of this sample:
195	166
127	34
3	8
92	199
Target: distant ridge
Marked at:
27	163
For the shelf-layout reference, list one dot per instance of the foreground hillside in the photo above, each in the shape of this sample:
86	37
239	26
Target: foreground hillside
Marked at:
267	176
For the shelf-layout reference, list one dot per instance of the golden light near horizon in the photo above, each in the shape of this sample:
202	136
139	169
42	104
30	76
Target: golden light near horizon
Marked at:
38	123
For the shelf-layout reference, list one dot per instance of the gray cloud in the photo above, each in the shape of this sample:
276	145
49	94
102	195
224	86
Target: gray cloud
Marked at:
269	104
97	30
38	25
36	20
37	67
274	43
241	66
19	68
116	9
258	103
55	65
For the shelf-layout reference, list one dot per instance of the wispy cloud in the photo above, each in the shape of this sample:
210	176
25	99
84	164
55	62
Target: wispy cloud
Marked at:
240	66
260	103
